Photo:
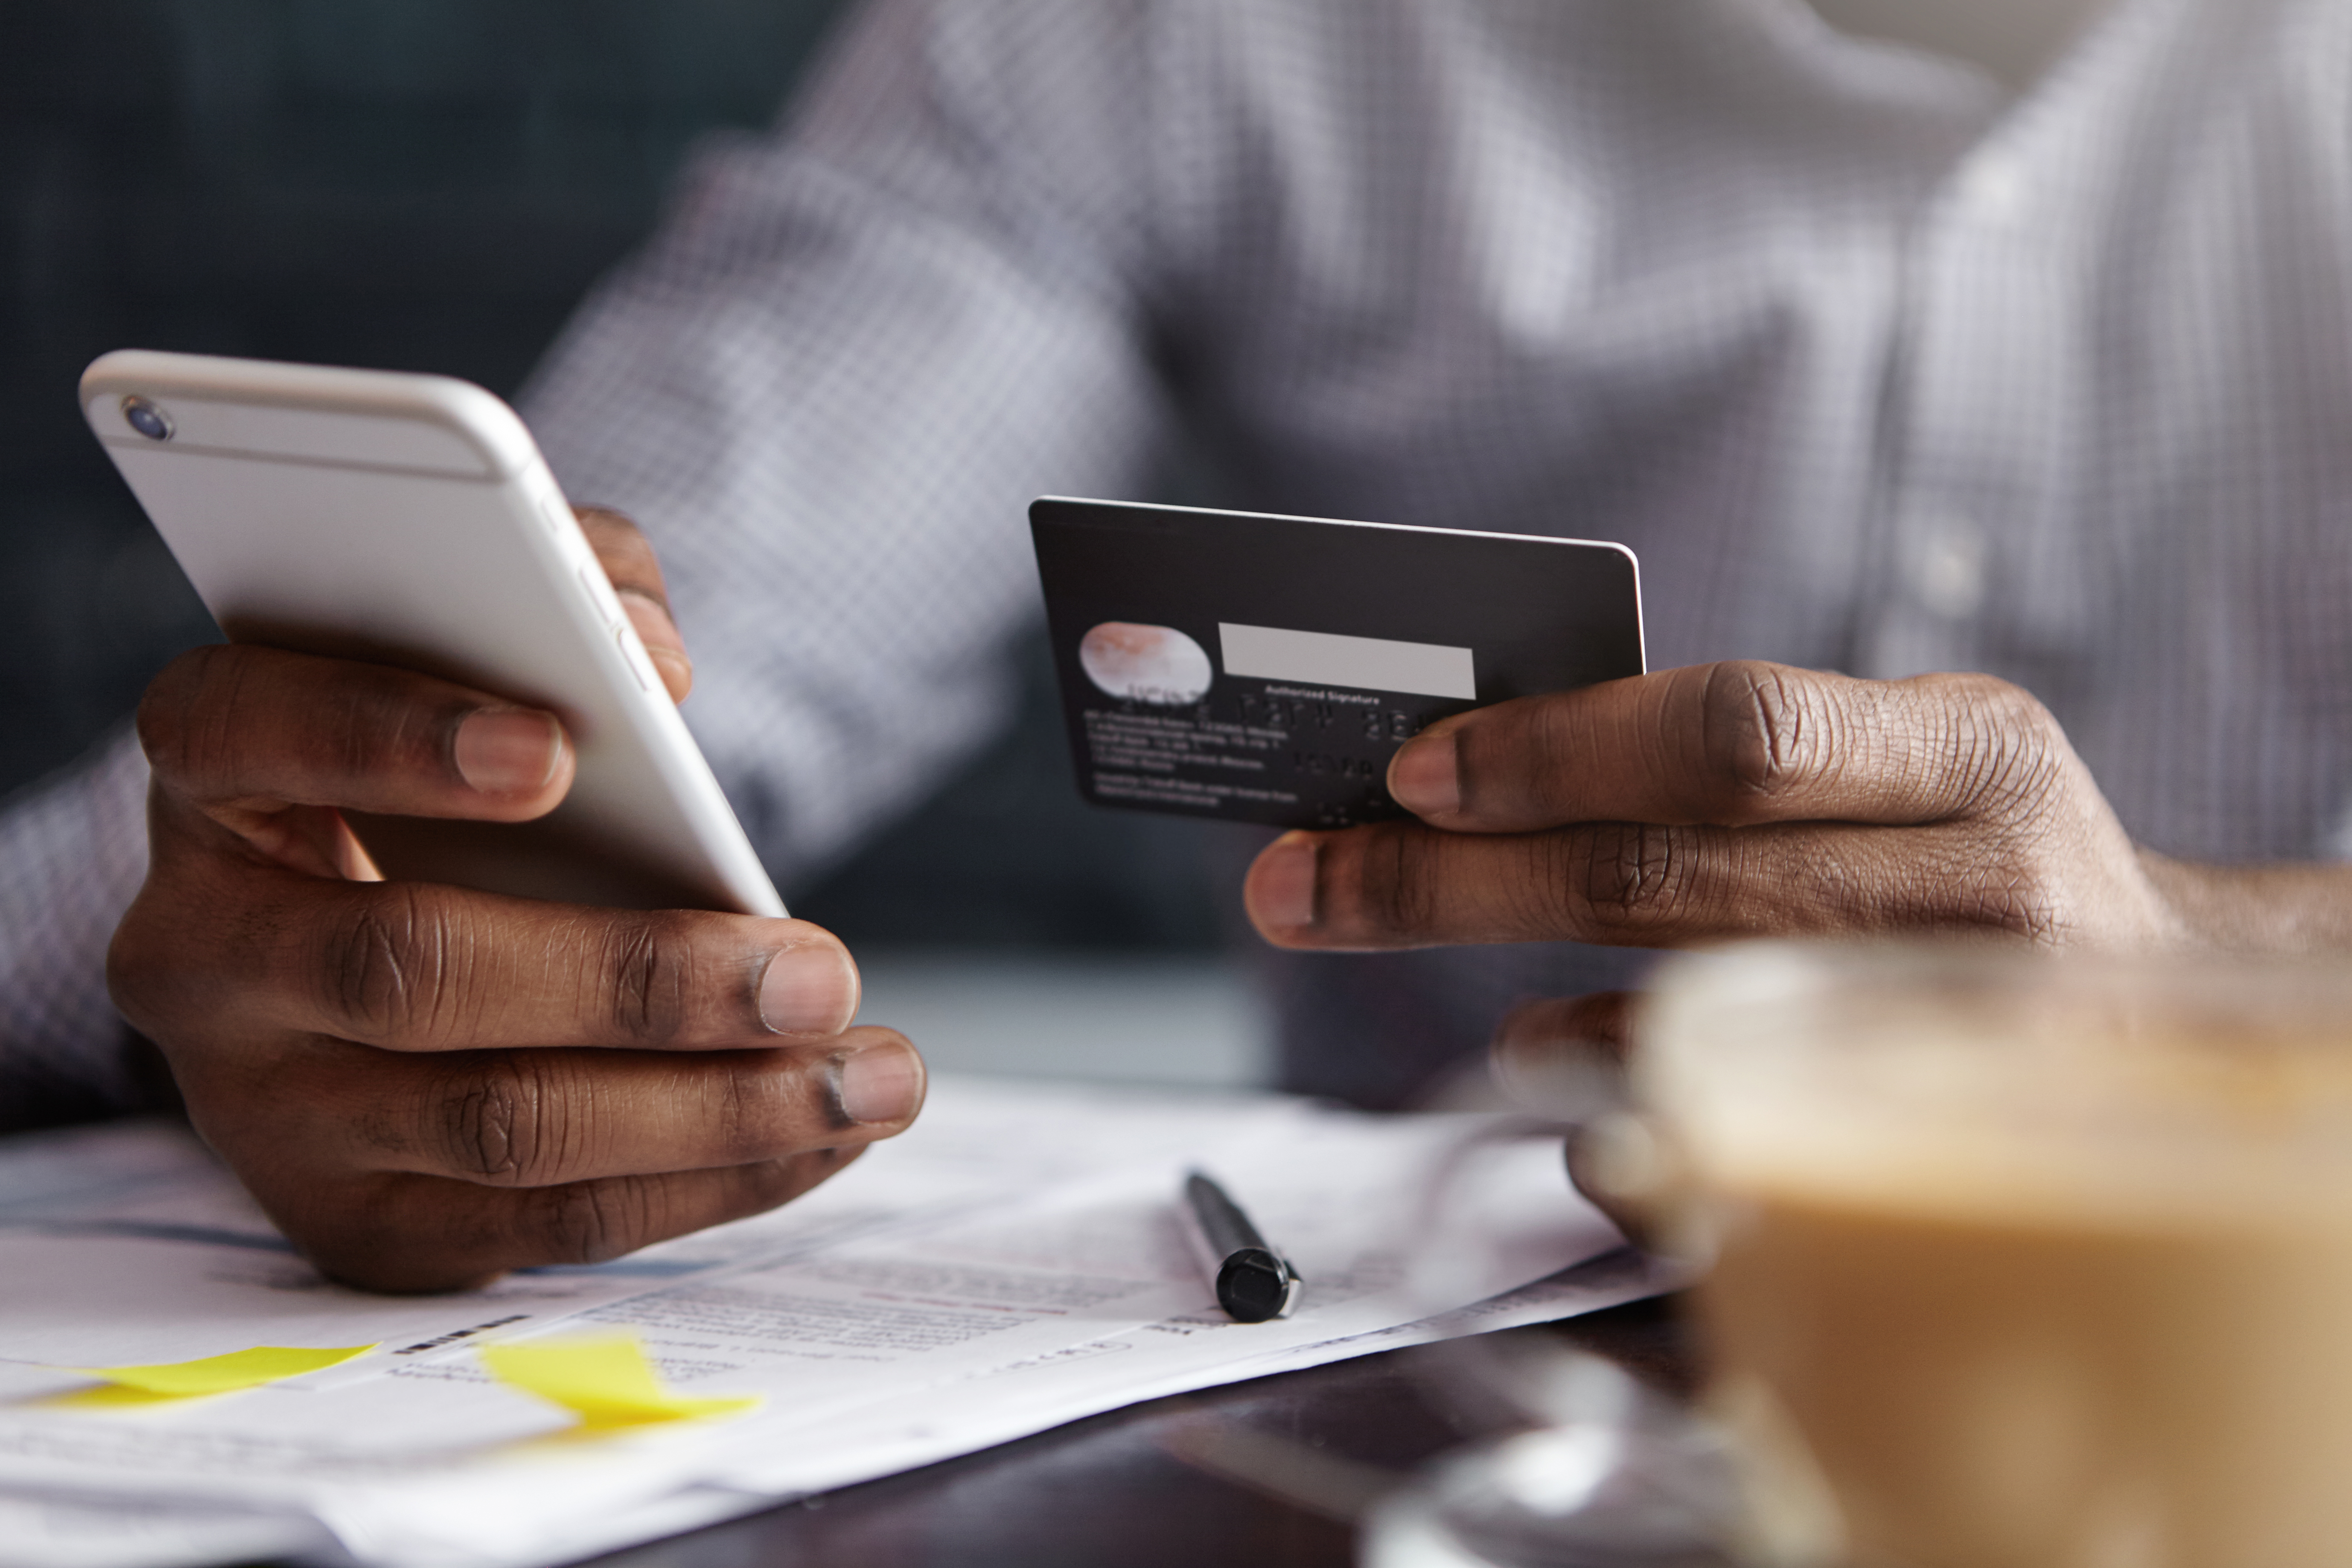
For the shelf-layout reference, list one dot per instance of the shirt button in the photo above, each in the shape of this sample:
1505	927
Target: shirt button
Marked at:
1993	189
1949	573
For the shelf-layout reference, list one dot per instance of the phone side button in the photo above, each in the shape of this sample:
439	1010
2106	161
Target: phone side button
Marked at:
632	654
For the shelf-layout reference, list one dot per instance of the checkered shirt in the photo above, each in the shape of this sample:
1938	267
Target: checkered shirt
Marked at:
1878	366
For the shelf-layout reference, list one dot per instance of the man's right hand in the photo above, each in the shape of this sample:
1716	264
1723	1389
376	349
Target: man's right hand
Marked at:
426	1086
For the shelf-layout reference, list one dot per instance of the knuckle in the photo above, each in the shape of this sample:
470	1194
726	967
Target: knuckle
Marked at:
649	973
389	965
502	1118
1630	879
1760	735
2014	750
594	1222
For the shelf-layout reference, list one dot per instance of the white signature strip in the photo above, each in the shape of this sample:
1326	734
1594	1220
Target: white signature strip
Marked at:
1367	664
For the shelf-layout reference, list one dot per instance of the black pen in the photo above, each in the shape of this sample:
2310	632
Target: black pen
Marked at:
1253	1281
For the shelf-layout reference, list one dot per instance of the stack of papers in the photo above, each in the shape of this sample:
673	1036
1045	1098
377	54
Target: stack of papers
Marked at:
1012	1263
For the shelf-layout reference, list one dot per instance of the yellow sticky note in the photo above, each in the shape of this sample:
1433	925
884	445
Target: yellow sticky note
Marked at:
210	1374
604	1379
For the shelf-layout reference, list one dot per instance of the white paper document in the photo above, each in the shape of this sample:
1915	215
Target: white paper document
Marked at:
1011	1264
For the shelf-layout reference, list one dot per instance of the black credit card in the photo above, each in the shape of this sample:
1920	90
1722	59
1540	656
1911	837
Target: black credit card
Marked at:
1264	669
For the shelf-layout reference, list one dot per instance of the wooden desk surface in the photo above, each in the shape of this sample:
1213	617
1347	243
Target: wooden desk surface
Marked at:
1114	1491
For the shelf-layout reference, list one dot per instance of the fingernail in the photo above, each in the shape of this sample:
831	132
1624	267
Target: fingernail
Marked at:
811	989
880	1083
1425	777
1282	889
508	750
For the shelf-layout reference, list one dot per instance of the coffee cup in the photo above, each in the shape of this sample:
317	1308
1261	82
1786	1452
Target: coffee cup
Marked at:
2014	1260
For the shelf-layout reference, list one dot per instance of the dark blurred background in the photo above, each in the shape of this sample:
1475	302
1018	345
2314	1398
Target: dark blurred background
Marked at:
425	185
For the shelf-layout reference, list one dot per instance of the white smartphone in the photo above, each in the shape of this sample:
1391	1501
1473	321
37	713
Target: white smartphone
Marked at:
409	520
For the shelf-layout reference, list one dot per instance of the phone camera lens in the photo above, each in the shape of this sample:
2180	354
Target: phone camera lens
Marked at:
146	418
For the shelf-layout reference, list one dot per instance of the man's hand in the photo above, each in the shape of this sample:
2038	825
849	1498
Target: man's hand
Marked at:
426	1086
1729	800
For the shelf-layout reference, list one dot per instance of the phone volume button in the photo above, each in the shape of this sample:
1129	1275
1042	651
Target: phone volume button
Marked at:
634	656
